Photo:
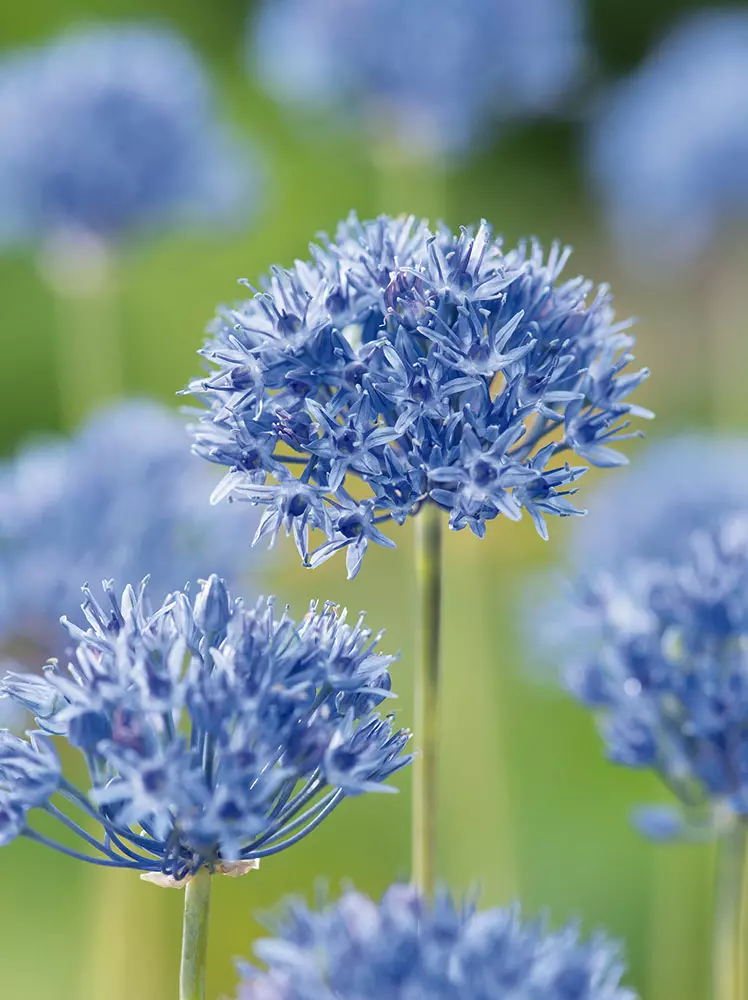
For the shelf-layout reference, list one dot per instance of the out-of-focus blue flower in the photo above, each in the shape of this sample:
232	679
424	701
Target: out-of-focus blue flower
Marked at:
657	502
109	130
433	75
122	496
669	147
405	947
29	774
658	648
649	511
214	734
658	822
432	368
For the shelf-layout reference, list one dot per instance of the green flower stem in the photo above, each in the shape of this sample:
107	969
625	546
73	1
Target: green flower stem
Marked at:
89	357
425	776
729	955
723	343
195	936
410	184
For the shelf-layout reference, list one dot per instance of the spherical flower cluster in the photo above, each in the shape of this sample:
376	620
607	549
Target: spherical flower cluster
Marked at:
121	497
669	148
649	511
405	947
434	74
111	129
214	734
659	650
433	368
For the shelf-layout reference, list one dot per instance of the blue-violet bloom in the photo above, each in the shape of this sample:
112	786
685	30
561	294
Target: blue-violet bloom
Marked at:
121	498
668	147
431	368
652	507
431	75
405	947
214	734
658	648
109	130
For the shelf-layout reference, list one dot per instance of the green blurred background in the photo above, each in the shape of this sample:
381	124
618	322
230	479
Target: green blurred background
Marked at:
529	808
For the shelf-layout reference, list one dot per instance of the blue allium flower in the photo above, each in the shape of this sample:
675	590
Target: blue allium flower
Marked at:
405	947
108	130
432	368
432	74
669	150
655	504
122	496
658	648
649	511
214	734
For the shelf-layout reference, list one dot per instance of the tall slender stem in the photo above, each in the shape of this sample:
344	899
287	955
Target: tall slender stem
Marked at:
81	272
425	776
728	958
725	347
418	184
410	183
195	936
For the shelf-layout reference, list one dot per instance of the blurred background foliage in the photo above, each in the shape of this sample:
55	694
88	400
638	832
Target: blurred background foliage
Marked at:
529	807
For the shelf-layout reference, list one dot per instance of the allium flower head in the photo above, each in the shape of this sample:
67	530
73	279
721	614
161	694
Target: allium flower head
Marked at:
435	74
108	130
669	149
214	734
121	496
433	368
405	947
655	504
658	648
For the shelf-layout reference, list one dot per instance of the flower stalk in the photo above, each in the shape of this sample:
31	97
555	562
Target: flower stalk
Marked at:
427	683
411	180
195	936
89	355
729	954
